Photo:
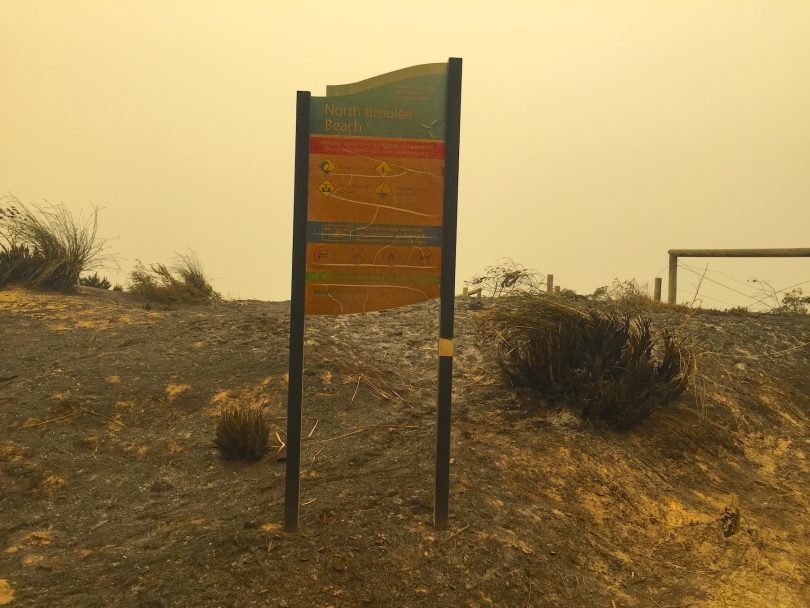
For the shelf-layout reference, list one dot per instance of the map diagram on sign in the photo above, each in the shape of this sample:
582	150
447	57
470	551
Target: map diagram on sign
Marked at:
374	221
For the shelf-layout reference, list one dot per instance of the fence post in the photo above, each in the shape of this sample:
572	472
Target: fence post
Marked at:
550	283
657	294
673	279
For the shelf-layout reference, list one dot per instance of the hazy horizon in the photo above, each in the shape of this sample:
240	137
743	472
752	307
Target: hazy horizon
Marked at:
595	136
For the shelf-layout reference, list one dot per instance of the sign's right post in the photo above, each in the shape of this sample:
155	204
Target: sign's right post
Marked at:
448	280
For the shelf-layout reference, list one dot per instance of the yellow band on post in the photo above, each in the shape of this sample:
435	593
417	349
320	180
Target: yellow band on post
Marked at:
445	347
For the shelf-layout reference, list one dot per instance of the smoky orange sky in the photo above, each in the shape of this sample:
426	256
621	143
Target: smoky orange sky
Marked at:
596	135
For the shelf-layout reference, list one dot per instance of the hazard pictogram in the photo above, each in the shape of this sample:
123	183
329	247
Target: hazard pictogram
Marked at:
326	166
326	188
383	169
321	254
383	190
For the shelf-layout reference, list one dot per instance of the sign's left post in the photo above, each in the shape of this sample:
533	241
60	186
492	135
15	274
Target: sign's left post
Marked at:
295	385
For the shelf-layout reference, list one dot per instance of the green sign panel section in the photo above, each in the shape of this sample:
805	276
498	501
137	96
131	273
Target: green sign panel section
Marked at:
408	103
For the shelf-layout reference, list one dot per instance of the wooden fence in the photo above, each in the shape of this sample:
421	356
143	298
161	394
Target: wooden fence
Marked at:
674	254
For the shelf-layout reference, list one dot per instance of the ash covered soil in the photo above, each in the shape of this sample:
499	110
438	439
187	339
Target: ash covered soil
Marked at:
113	494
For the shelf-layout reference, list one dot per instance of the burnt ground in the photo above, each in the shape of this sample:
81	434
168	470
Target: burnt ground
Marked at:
112	493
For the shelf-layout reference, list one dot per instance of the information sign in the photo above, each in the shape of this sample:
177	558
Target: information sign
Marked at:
374	225
375	188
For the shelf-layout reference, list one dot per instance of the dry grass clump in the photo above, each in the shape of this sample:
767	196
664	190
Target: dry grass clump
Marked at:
506	277
794	302
46	247
628	296
183	283
95	281
612	364
242	432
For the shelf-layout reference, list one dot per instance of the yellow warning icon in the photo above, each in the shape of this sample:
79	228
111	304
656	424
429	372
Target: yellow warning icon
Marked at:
326	166
326	188
383	169
383	190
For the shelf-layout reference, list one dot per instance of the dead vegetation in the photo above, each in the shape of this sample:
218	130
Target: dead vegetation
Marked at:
242	432
182	283
45	246
611	365
506	277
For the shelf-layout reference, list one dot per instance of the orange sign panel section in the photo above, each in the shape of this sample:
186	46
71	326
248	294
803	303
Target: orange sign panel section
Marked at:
374	223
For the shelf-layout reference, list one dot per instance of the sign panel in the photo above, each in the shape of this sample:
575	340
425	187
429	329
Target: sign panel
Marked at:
375	191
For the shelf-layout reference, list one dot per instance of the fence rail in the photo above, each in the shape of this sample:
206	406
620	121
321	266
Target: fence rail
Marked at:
674	254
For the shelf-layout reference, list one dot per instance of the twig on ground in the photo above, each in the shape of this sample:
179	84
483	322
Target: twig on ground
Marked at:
604	540
589	593
669	537
364	429
317	420
652	599
105	416
677	566
473	381
308	502
381	393
318	453
30	426
529	598
757	355
454	534
784	352
282	445
397	395
356	388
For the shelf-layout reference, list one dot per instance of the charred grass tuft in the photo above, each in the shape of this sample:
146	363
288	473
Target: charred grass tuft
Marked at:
242	433
612	364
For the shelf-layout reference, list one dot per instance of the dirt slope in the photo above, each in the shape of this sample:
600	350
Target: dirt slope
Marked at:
111	493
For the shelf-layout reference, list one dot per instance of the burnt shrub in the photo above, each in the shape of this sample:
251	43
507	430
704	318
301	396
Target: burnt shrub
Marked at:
242	433
95	281
612	365
18	262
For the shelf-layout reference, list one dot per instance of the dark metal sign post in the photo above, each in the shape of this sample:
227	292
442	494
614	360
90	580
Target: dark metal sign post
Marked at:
448	285
374	133
295	385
